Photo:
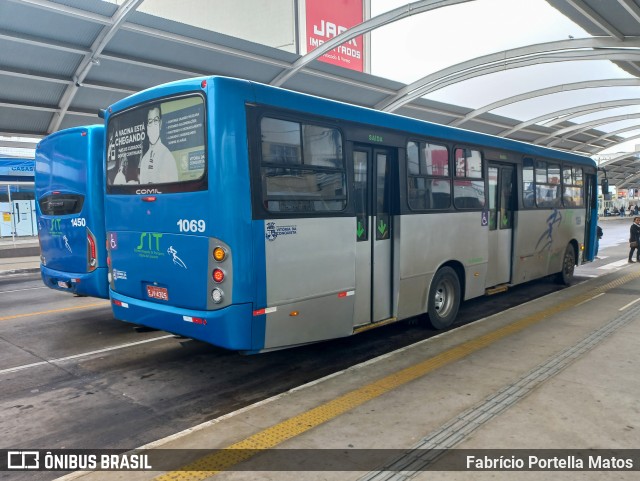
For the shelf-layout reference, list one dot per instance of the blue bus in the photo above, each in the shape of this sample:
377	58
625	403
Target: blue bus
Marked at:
256	218
69	185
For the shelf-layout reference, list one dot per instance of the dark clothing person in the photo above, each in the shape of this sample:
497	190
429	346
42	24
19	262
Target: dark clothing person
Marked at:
634	238
599	234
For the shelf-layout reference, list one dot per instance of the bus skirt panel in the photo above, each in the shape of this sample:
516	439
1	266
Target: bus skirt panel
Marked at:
229	327
93	284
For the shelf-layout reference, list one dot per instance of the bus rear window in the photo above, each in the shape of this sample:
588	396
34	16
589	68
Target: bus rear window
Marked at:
61	204
158	143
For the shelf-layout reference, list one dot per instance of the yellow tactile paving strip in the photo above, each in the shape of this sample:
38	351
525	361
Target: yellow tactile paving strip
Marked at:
222	460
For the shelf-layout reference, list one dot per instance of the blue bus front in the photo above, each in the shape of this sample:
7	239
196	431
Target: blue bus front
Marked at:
178	212
70	210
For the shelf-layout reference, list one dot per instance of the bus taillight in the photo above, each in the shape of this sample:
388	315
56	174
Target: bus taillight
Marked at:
92	251
219	254
218	275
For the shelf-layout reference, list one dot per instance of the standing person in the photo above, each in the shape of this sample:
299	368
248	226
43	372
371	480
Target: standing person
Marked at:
599	234
622	211
634	238
157	165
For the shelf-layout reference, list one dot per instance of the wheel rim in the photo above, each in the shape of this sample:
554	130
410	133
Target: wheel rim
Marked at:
444	297
569	264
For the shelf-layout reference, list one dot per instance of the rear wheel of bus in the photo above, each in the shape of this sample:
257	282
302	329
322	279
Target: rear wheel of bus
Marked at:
565	276
444	298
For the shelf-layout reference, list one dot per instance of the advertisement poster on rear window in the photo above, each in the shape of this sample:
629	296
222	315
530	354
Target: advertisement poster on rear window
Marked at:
158	143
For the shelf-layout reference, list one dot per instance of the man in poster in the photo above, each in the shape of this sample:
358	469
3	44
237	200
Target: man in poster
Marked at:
157	165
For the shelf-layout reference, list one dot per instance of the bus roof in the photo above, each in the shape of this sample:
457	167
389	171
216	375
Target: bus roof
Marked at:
333	109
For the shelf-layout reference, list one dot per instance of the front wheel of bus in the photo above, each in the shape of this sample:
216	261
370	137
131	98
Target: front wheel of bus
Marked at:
444	298
565	276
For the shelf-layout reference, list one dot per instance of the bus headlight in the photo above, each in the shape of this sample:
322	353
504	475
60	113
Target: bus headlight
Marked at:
216	295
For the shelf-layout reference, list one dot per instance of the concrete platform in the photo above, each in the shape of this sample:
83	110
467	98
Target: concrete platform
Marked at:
19	255
557	373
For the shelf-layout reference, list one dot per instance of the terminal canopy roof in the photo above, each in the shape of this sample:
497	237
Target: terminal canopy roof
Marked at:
61	61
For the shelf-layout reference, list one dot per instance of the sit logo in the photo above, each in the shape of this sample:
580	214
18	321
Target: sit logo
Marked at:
55	227
149	245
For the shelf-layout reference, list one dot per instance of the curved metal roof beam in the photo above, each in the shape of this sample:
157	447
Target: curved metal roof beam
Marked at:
630	179
611	134
362	28
633	82
605	163
620	54
91	59
621	142
579	128
601	48
565	114
586	109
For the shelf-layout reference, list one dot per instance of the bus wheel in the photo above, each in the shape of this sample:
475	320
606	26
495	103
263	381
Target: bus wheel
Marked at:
444	298
565	276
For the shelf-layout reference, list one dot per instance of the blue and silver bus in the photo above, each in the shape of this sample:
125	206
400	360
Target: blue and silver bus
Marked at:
256	218
69	184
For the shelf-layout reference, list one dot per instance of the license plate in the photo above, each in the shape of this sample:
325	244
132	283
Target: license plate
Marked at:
160	293
63	284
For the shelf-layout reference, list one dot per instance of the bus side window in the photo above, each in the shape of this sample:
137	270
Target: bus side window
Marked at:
528	188
468	193
547	184
302	167
428	182
572	187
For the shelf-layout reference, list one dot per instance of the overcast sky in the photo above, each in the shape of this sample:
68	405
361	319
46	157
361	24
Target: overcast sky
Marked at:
428	42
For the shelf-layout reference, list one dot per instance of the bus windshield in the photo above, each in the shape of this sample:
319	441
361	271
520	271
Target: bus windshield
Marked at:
158	143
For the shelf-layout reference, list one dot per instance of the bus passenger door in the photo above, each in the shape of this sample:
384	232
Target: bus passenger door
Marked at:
501	202
374	234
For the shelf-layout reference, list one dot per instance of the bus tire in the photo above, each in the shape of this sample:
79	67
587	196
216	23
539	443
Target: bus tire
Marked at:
444	298
565	276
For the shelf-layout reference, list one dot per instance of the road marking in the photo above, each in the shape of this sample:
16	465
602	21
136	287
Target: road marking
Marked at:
590	299
25	289
614	265
236	453
629	305
84	354
51	311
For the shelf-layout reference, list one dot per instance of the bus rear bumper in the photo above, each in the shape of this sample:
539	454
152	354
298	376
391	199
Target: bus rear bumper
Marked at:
229	327
92	284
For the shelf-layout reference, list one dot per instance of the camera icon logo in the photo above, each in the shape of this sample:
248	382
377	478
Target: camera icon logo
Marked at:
23	460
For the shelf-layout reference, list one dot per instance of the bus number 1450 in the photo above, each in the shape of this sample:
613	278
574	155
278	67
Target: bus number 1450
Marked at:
186	225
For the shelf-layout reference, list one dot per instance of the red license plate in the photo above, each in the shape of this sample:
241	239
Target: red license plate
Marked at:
155	292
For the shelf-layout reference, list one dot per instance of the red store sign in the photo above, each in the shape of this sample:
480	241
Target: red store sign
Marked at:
329	18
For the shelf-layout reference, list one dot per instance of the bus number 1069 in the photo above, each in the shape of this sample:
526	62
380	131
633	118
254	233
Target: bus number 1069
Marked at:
186	225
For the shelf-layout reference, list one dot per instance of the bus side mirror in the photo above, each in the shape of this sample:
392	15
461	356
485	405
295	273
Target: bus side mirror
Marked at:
605	186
